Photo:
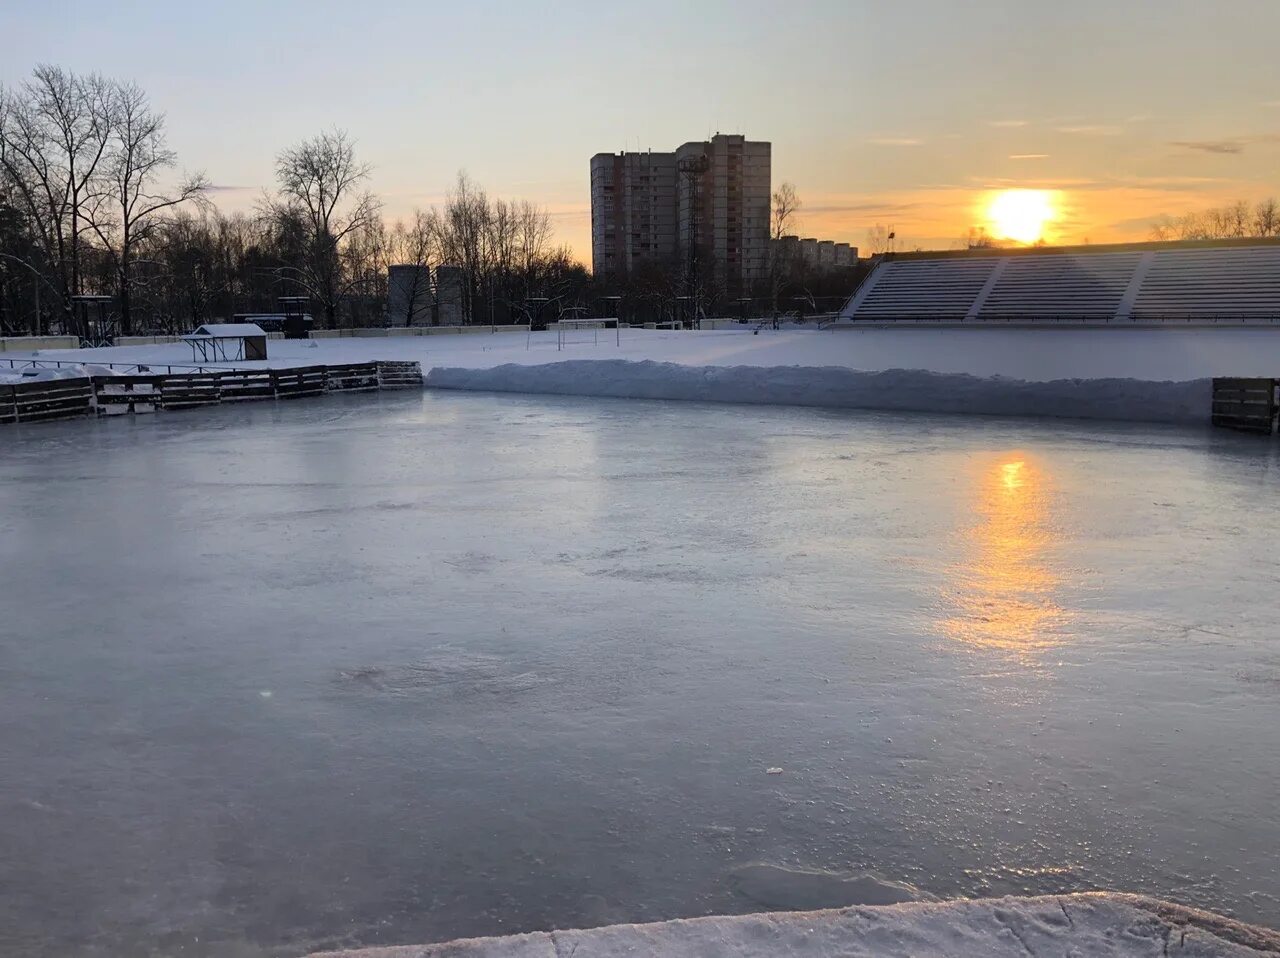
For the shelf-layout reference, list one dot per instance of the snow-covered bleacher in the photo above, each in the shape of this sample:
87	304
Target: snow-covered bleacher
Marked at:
1236	281
931	289
1227	284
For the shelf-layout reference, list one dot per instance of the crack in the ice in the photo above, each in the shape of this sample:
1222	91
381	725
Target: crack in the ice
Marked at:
1000	917
1066	914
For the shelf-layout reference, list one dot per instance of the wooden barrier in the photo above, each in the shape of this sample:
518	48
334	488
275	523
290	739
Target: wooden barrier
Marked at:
115	395
184	390
1246	405
148	392
357	377
298	381
392	375
45	400
236	385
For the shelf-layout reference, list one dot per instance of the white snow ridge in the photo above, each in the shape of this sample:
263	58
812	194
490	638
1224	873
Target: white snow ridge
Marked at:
839	386
1091	925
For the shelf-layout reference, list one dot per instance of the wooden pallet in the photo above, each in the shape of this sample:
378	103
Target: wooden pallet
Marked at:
117	395
187	390
358	377
1246	405
45	400
394	375
236	385
300	381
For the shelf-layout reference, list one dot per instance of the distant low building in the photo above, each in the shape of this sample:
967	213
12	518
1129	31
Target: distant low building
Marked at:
451	307
823	256
409	296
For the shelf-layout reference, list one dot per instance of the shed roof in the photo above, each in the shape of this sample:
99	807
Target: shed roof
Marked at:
228	330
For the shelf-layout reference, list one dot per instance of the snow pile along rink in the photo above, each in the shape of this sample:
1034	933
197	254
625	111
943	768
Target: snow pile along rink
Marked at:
1099	925
916	390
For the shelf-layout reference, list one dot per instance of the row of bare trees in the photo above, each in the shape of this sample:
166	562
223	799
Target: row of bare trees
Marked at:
508	265
82	163
1239	220
92	202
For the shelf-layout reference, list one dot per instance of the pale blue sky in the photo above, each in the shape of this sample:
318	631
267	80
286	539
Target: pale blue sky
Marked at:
902	113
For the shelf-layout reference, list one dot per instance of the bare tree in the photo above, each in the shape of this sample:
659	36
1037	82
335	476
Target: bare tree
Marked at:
785	209
320	192
1266	218
881	239
785	206
55	131
464	224
127	208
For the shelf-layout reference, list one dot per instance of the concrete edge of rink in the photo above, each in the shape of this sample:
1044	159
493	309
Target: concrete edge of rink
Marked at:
1094	924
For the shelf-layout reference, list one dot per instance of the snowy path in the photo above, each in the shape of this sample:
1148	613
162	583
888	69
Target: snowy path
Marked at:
1097	925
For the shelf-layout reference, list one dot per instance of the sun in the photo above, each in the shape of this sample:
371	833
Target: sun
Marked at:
1021	215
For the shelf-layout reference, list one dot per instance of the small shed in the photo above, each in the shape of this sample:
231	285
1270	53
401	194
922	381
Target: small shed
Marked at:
227	342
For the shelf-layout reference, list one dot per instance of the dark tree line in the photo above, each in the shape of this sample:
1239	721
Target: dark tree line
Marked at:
92	202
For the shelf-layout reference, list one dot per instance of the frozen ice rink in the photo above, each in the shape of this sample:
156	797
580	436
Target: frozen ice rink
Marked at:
407	667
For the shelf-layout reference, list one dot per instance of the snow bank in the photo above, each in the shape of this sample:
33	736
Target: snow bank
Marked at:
901	389
28	374
1100	925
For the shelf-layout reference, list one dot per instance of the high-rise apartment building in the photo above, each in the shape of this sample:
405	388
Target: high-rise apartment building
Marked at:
703	210
633	210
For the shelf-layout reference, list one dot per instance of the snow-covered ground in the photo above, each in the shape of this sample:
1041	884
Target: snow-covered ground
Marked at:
1097	926
1157	375
1039	355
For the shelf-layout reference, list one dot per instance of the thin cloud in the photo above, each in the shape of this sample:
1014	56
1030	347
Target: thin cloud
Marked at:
882	208
895	141
1228	144
1028	156
1211	146
1007	123
225	188
1091	129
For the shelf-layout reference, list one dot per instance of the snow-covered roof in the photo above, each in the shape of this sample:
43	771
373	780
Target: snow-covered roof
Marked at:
228	331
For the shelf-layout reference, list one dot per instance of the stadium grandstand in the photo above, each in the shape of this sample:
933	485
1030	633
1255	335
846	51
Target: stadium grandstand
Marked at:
1231	282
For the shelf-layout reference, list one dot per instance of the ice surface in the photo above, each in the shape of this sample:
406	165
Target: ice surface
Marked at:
422	665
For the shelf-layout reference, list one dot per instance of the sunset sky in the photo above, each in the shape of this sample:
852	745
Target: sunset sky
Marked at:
906	114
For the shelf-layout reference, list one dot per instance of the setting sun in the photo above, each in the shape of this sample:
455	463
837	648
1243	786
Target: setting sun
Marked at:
1021	215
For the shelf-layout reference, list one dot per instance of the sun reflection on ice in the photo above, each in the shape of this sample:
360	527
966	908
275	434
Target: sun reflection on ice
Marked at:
1004	593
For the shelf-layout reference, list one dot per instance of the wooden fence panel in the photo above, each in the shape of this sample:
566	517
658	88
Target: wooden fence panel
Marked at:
116	395
354	376
185	390
299	381
44	400
396	374
1246	405
239	384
